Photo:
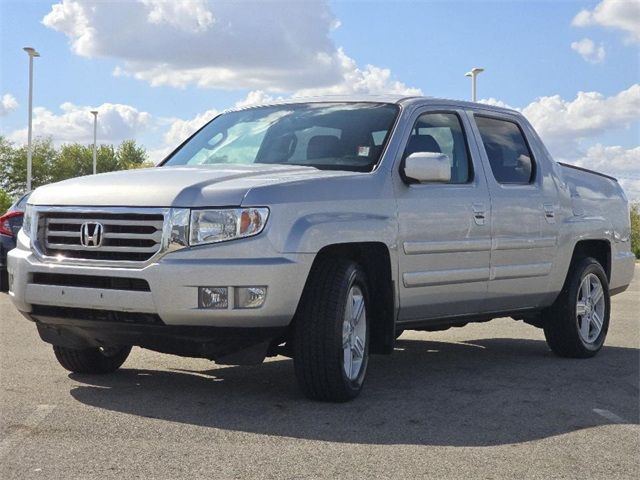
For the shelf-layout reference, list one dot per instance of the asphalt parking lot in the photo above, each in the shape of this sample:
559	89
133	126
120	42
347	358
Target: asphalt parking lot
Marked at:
485	401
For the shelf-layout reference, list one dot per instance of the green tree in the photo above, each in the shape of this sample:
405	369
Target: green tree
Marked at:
129	155
76	160
70	160
13	165
635	229
5	201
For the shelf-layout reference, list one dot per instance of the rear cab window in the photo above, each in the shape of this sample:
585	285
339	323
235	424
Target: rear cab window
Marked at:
507	150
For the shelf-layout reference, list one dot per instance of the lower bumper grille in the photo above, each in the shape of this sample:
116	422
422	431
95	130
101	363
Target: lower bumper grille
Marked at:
96	315
91	281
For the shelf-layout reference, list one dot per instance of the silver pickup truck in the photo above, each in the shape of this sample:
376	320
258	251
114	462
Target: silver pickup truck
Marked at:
321	230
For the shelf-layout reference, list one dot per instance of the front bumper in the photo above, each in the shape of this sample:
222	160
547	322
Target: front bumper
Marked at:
173	285
234	346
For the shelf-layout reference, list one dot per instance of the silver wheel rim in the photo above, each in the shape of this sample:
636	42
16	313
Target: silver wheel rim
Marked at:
354	333
590	308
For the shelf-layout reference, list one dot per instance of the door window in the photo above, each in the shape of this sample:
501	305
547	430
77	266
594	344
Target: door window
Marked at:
507	150
442	133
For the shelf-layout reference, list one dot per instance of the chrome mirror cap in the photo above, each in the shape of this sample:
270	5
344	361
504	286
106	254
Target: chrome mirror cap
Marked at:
427	167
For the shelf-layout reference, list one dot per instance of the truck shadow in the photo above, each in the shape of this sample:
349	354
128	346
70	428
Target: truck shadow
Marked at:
477	393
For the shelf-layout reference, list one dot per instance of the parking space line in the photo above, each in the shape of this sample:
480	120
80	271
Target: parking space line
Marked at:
31	422
612	417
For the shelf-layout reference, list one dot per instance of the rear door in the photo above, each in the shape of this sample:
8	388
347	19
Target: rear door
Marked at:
524	230
444	229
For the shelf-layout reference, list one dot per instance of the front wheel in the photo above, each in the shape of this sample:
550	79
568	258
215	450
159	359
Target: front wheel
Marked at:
331	340
577	323
92	360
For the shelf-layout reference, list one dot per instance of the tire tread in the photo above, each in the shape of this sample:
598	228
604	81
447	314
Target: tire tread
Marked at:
317	361
89	360
559	324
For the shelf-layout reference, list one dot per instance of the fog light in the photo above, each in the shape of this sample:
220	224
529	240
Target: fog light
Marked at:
213	297
250	297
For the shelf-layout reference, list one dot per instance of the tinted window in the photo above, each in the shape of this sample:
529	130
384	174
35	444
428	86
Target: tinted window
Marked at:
336	136
507	150
442	133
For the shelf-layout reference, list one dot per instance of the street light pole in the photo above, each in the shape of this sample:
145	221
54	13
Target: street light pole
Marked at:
95	132
32	53
475	71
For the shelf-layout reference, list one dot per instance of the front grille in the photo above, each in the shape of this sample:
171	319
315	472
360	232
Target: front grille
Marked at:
91	314
91	281
134	237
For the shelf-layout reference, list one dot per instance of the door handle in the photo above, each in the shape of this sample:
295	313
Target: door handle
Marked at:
479	213
549	212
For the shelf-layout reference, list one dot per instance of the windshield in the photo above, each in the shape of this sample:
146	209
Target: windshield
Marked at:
335	136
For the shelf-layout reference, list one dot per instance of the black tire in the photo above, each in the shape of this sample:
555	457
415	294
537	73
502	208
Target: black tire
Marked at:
318	332
91	360
4	281
561	328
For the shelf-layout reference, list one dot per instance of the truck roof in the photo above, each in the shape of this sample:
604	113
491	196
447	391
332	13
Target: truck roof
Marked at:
404	100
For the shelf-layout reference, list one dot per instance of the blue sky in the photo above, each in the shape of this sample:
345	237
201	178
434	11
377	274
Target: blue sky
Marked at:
209	55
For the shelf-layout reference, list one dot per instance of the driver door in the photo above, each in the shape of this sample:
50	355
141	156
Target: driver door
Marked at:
444	228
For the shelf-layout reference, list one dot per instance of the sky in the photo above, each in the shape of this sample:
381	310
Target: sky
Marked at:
156	70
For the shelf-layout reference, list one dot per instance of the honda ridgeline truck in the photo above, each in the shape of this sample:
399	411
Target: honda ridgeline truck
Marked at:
321	230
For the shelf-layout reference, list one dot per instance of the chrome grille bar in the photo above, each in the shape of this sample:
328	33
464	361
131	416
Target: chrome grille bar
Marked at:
106	221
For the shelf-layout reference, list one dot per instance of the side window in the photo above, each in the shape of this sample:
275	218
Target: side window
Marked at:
507	150
442	133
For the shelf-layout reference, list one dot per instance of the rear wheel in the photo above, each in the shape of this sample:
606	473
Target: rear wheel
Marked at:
331	340
92	360
577	323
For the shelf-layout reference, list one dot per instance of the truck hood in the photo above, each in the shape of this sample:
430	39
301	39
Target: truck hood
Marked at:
193	186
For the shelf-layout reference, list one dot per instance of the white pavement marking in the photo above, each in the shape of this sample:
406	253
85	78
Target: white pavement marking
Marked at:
612	417
31	422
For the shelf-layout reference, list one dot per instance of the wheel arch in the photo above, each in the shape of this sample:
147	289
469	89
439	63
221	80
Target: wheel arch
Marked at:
596	248
375	259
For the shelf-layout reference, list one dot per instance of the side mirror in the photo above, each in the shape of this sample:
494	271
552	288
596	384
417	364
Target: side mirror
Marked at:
428	167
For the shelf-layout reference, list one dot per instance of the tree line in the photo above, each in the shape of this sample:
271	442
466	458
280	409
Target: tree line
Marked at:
52	164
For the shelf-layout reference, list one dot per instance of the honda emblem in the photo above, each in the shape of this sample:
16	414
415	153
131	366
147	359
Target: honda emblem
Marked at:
91	234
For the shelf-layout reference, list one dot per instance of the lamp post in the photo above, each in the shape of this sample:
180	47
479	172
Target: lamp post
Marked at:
475	71
32	54
95	132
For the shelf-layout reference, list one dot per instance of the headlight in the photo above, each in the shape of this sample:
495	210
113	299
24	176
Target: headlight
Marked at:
211	226
27	220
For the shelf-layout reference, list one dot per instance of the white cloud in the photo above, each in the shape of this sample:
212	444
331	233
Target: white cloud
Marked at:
568	128
494	102
563	124
188	15
116	122
256	97
589	51
613	160
180	129
275	47
619	14
8	104
624	164
369	80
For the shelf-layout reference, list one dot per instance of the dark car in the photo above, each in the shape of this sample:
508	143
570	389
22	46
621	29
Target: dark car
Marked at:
10	223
